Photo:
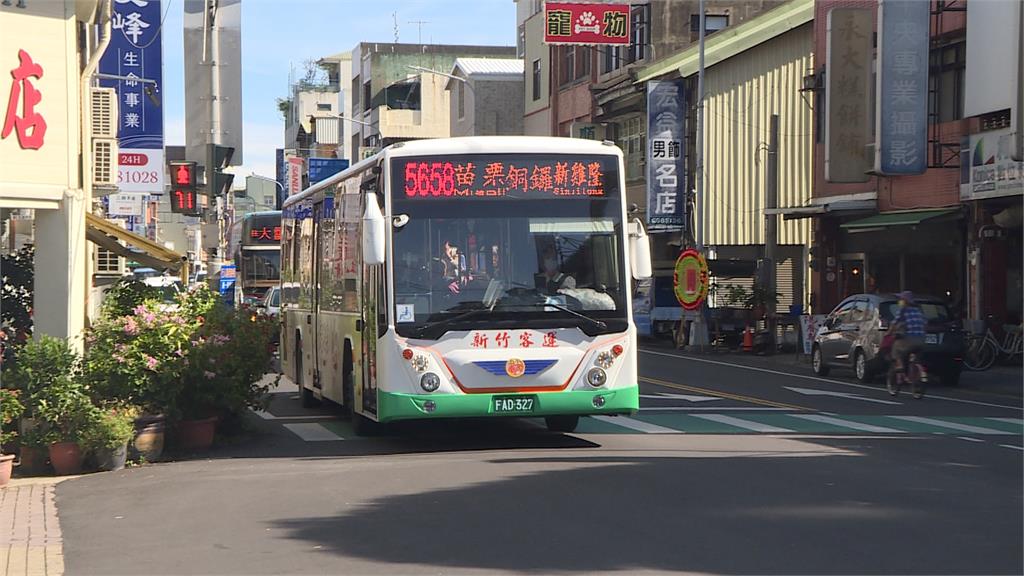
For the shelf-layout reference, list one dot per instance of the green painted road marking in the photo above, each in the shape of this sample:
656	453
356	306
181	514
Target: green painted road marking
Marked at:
343	429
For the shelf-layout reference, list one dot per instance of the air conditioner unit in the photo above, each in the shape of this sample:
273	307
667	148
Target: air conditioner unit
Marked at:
104	162
104	113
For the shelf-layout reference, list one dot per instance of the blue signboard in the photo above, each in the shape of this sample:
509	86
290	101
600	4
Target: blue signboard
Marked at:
280	174
902	117
666	175
324	168
134	55
227	283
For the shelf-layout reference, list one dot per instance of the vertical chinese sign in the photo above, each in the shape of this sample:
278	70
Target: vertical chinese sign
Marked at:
666	178
294	175
901	118
848	63
575	23
135	51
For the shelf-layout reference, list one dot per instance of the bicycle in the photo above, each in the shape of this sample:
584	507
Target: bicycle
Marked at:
914	374
984	349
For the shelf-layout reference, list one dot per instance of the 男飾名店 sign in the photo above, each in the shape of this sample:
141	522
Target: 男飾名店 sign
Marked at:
510	177
575	23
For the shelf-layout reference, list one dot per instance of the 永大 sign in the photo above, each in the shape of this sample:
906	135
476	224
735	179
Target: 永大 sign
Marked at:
134	54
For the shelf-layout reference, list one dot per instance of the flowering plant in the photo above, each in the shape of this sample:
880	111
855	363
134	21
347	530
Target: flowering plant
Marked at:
135	358
48	373
10	410
227	361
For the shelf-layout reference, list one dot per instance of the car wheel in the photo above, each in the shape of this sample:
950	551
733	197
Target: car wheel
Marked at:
818	362
861	368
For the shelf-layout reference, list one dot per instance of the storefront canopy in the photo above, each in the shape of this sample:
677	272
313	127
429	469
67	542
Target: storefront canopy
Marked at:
138	248
912	218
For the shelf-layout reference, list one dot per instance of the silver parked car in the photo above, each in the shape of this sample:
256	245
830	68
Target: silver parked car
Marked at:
853	332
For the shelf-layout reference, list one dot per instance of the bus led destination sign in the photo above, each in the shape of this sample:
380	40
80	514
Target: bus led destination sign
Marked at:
482	177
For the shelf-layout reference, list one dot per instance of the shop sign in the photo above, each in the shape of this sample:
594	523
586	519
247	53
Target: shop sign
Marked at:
690	279
666	176
126	204
988	168
294	175
902	89
575	23
846	94
135	55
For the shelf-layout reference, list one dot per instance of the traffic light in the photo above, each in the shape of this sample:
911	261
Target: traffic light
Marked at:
218	182
184	198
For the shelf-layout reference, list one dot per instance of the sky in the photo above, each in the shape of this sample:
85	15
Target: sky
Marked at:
280	34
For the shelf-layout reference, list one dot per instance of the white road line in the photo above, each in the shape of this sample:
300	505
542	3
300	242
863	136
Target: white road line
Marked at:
1012	446
845	423
312	432
637	425
969	439
820	379
950	425
711	408
269	416
745	424
1010	420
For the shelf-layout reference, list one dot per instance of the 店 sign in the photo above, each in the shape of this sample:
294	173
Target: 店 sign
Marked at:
134	54
574	23
666	178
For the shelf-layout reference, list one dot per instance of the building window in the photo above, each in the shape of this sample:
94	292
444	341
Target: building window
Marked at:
268	200
712	23
462	100
323	107
367	97
633	142
582	62
612	59
521	41
355	93
946	83
568	72
639	32
536	79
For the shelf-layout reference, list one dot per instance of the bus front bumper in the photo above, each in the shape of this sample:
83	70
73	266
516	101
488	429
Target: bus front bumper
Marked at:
392	407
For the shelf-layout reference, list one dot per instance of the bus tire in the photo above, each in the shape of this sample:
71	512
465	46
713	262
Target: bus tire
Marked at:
564	424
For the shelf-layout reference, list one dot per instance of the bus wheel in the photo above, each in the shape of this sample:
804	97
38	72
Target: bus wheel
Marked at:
562	423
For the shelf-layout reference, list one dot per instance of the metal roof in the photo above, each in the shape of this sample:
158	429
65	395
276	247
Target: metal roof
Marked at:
731	41
473	67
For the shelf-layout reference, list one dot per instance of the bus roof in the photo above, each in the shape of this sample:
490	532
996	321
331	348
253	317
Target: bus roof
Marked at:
467	145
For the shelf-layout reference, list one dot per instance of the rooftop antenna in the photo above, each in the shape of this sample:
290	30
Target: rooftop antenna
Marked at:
419	27
394	17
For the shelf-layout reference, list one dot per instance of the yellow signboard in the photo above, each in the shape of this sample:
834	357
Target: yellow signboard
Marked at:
690	279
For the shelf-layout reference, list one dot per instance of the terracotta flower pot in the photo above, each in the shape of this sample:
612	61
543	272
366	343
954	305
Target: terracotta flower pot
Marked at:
6	467
66	458
196	434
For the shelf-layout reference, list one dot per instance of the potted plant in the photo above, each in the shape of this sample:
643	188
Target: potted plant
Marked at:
107	436
10	410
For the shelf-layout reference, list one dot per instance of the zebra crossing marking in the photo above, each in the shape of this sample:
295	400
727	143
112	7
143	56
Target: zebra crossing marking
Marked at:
312	432
638	425
740	423
951	425
846	423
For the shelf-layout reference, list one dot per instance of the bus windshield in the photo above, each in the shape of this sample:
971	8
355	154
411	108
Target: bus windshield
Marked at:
260	265
490	250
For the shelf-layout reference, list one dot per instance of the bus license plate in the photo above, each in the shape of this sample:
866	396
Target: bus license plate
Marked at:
514	404
931	338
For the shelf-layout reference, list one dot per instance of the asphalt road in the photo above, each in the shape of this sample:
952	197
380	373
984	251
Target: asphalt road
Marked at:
726	469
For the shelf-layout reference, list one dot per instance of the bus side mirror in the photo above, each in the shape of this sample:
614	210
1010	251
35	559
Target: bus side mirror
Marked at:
374	232
639	251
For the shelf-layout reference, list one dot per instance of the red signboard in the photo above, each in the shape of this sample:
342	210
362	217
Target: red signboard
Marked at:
573	23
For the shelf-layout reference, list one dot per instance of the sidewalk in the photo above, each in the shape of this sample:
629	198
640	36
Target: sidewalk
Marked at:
1002	379
30	536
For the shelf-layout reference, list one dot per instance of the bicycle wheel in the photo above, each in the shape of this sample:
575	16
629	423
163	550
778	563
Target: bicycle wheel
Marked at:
916	377
980	354
892	382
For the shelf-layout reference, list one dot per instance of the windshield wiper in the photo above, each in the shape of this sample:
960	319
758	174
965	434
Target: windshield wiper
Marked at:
426	328
556	306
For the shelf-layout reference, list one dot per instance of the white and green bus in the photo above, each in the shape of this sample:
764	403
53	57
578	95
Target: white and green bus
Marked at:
465	277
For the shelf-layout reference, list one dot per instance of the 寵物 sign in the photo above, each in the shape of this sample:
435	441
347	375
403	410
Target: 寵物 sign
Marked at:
574	23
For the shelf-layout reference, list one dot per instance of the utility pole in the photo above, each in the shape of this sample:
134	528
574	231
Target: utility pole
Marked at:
699	330
213	238
771	225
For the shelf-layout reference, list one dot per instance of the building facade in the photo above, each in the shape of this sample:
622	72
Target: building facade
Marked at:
398	91
486	97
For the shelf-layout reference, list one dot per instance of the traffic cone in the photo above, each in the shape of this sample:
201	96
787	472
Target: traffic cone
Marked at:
748	340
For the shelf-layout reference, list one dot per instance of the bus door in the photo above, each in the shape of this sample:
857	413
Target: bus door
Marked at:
318	214
373	312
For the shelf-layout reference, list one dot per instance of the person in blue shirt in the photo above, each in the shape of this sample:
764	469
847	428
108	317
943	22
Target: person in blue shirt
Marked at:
910	324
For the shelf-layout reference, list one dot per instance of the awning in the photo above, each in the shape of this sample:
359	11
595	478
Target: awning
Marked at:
143	250
909	218
811	210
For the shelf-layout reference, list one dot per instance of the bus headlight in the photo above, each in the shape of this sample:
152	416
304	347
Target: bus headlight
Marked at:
430	382
597	377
